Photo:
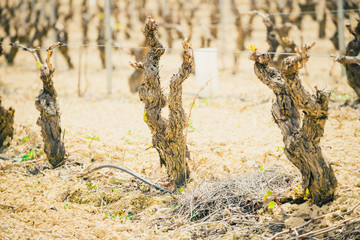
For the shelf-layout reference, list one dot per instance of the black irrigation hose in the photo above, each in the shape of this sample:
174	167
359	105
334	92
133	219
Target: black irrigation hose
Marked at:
9	159
116	167
133	174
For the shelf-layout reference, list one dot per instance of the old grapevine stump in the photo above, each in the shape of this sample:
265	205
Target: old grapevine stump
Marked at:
351	60
6	121
6	125
301	135
46	104
167	134
49	119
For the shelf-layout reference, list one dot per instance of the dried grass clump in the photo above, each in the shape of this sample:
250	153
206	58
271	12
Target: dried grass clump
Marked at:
234	198
348	231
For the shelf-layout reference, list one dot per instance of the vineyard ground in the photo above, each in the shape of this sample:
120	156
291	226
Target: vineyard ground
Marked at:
230	135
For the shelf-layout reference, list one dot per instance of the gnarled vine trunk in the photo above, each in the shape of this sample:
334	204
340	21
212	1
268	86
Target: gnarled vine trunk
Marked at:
46	104
301	135
6	126
167	134
49	119
6	121
351	60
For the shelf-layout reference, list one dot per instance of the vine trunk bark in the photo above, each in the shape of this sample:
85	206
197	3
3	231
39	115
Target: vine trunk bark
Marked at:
47	105
6	126
167	134
351	60
301	117
49	119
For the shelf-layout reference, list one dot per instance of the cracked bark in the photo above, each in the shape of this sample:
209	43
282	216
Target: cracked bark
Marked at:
6	126
46	104
49	119
351	60
167	134
301	135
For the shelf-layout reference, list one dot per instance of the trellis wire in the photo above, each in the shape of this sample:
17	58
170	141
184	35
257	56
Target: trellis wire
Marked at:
299	13
176	49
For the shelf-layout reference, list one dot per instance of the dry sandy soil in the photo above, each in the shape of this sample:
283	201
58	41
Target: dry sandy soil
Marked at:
231	135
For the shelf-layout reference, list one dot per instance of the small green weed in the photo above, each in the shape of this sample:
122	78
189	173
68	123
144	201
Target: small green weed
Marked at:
339	97
193	128
272	203
280	149
31	155
110	216
92	137
181	190
92	186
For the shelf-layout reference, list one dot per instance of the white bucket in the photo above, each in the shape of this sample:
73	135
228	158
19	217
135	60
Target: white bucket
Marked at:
206	68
